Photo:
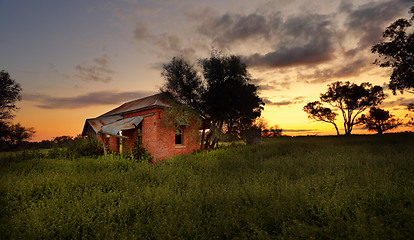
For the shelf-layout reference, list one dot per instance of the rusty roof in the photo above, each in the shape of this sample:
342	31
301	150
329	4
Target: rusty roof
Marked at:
158	100
120	125
97	123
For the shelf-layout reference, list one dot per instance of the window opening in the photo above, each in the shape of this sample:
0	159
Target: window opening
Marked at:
178	135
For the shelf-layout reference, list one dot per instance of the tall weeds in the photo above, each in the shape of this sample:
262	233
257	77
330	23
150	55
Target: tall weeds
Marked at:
318	187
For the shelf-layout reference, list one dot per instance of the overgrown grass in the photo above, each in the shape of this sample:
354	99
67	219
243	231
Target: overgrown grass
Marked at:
358	187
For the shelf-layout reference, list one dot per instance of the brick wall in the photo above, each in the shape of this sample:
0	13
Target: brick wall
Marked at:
158	136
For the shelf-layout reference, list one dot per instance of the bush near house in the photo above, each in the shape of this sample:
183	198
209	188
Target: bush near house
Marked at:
301	188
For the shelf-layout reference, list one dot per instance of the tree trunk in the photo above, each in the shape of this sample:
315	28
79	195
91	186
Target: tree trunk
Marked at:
207	144
336	128
379	129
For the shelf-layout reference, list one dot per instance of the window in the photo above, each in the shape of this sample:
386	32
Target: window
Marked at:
178	135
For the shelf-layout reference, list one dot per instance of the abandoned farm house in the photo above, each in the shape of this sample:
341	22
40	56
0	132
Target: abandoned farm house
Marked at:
144	120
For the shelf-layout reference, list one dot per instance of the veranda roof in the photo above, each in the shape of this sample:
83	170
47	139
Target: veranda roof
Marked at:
120	125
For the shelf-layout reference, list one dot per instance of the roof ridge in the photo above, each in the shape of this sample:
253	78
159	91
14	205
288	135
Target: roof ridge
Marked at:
135	104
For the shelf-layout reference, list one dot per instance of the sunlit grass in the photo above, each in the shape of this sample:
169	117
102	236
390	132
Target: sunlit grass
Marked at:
316	187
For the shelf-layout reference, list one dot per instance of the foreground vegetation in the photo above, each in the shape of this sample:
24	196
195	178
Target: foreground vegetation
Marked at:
313	187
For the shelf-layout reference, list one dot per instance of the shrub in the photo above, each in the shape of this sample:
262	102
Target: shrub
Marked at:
22	156
87	147
138	153
83	147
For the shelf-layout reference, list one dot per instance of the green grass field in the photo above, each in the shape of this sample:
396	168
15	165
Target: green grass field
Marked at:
359	187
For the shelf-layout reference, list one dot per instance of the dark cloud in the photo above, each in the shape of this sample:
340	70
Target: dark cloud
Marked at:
303	40
172	45
369	20
281	103
351	69
272	39
312	53
296	100
86	100
216	25
299	40
264	85
166	44
98	71
228	29
400	102
141	31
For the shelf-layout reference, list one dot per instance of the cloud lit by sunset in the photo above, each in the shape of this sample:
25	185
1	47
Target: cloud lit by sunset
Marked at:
77	59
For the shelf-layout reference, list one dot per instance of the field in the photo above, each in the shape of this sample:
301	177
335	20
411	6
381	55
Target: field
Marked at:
359	187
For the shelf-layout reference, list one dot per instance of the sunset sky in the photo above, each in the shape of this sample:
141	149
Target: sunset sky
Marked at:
78	59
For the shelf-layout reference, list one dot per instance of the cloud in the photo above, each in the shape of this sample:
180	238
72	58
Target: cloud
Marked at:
369	20
141	31
300	130
166	44
400	102
277	85
294	40
312	53
295	100
351	69
303	40
98	71
281	103
273	38
227	29
86	100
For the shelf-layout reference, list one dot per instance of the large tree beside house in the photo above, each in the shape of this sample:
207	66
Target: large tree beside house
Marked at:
222	93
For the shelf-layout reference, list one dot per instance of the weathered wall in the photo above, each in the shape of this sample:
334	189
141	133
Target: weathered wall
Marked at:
158	136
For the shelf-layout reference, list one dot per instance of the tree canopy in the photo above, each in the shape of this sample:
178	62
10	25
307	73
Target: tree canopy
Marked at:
397	52
229	99
349	98
182	82
318	112
221	93
378	120
9	95
11	134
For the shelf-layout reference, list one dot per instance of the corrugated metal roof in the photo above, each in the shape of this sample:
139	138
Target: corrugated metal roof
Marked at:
97	123
123	124
158	100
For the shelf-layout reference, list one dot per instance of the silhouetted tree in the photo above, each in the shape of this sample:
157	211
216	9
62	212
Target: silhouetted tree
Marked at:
267	131
378	120
12	134
410	107
351	99
9	95
318	112
230	100
397	50
183	82
224	96
17	134
410	116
